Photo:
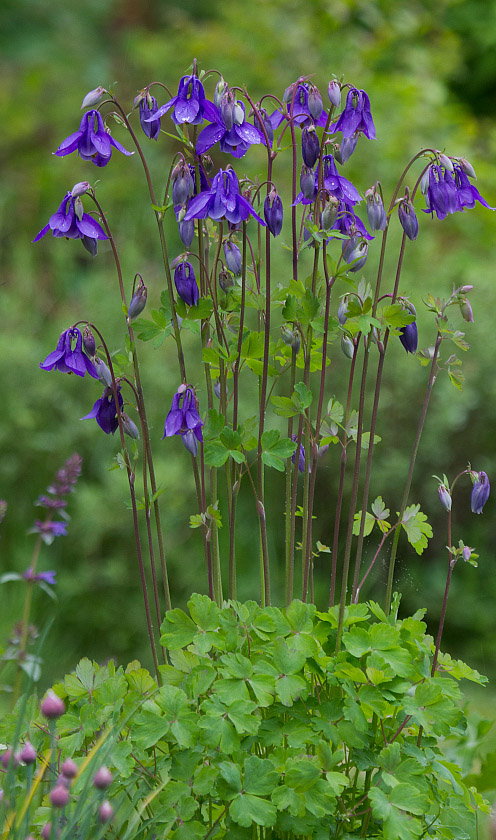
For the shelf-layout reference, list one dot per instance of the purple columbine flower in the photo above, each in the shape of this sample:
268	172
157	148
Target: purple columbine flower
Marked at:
92	142
46	577
233	139
442	194
356	115
409	337
355	252
301	456
222	200
310	146
408	218
233	257
183	418
334	184
190	104
69	360
186	285
70	221
480	493
147	112
273	212
104	411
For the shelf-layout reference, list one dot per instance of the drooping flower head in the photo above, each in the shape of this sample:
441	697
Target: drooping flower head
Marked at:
333	183
186	285
449	190
234	137
408	218
104	411
298	98
190	104
356	115
147	112
273	212
480	492
92	142
69	359
72	222
409	337
183	418
222	201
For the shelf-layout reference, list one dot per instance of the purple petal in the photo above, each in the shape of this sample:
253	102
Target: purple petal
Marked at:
42	233
88	226
69	145
209	137
120	147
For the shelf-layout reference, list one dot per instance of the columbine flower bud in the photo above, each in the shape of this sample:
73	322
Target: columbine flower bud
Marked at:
69	768
52	707
129	426
102	778
375	210
466	310
291	337
187	232
347	346
408	219
307	181
138	302
89	342
103	372
355	248
220	88
424	182
343	309
467	553
315	105
444	497
480	492
182	184
28	753
288	93
106	811
233	257
273	212
334	93
467	167
409	337
225	280
80	188
465	289
330	213
93	97
310	146
344	151
79	208
186	285
445	161
190	442
227	108
59	796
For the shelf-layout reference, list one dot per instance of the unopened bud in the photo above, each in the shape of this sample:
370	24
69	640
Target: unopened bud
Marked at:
138	303
52	707
315	105
310	146
343	309
129	426
307	181
467	552
78	208
346	149
467	167
106	811
347	346
89	342
59	796
330	213
227	106
69	768
445	161
28	753
220	88
334	93
466	310
102	778
93	97
291	337
233	257
103	372
225	280
465	289
187	232
190	442
80	188
444	497
10	757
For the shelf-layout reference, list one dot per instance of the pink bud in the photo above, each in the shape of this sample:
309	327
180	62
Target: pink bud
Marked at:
106	811
59	796
52	706
28	753
9	757
69	768
102	778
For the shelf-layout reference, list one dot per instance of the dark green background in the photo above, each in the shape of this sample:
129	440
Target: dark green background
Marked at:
430	74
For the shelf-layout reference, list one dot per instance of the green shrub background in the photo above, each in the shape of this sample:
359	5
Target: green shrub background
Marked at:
430	74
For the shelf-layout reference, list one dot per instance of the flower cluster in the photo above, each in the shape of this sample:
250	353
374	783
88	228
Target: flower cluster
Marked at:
183	419
68	358
72	222
449	191
92	142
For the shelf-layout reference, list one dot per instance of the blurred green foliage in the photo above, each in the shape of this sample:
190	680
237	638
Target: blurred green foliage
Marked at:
428	70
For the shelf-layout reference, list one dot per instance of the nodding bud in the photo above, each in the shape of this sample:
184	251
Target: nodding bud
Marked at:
93	97
347	346
343	309
218	389
465	289
28	753
80	188
307	181
225	280
291	337
227	108
355	251
466	310
106	811
408	219
182	184
288	93
220	88
467	167
310	146
187	232
467	552
52	707
334	93
129	426
233	257
445	161
273	212
102	778
315	105
190	442
266	123
78	208
138	302
329	213
89	342
186	285
69	768
444	497
376	213
424	182
346	149
103	372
